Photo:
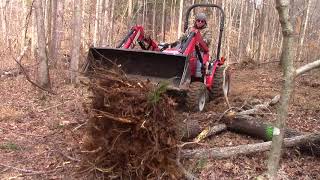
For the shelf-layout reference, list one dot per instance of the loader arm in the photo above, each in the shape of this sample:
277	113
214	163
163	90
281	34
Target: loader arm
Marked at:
137	34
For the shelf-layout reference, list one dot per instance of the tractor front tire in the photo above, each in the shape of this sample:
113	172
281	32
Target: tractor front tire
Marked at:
218	87
197	97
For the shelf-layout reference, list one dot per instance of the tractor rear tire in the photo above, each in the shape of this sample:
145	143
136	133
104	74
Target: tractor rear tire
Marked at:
217	86
197	97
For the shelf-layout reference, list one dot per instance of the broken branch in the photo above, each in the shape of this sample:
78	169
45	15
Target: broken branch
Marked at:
209	131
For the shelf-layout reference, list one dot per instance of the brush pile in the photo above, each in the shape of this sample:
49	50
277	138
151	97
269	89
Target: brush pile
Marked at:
133	132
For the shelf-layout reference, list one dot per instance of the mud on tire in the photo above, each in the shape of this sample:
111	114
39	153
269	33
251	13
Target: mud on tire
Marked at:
217	86
197	97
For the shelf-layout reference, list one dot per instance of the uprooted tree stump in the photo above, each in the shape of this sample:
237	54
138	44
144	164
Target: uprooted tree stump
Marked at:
132	132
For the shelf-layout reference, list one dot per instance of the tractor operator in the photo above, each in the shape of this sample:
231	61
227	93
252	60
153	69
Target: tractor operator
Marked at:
200	23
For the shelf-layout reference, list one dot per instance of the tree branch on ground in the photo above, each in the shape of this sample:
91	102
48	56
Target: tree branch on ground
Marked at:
226	152
260	107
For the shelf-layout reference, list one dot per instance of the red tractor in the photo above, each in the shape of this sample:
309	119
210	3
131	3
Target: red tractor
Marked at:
189	70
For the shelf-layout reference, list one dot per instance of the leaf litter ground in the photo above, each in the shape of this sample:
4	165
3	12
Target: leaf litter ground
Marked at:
45	136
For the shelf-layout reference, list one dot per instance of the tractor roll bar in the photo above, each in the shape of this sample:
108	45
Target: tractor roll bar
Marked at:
186	23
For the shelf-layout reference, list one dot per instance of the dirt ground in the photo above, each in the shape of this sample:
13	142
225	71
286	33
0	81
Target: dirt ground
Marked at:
41	136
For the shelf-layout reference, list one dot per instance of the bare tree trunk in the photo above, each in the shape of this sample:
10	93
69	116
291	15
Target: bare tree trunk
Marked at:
112	22
163	21
129	8
102	21
59	29
96	23
3	24
4	21
300	49
24	16
48	14
76	41
53	43
91	21
86	24
43	71
106	24
140	12
251	48
9	15
273	31
289	72
34	37
239	33
144	14
173	19
228	29
261	32
121	24
129	17
154	20
280	41
180	18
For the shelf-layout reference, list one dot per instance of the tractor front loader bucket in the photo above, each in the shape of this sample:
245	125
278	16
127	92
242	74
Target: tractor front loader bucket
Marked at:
140	64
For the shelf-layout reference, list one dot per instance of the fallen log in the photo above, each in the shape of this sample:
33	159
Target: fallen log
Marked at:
255	127
226	152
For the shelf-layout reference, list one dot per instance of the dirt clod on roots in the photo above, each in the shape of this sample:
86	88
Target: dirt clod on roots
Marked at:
131	132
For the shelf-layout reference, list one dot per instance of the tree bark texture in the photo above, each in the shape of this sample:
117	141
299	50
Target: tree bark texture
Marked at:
102	22
256	128
239	44
105	31
96	23
25	8
261	33
112	22
53	49
154	35
129	8
34	35
76	42
4	21
288	85
48	21
163	21
43	70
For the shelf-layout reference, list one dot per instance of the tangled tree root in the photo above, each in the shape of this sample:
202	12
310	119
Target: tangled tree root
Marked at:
131	133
